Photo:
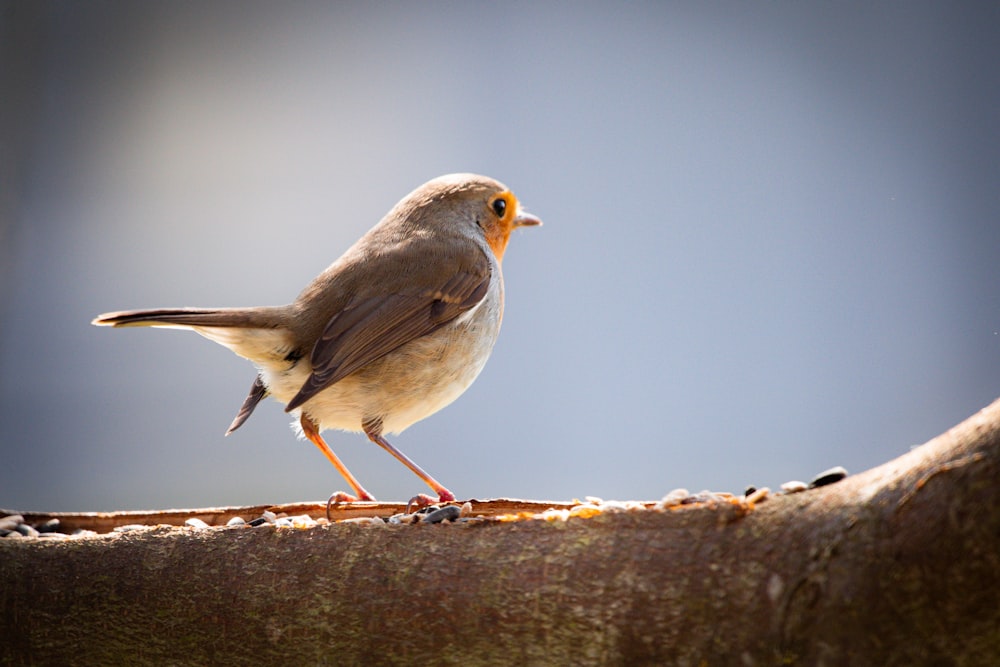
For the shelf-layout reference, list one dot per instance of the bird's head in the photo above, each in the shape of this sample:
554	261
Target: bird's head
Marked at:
471	204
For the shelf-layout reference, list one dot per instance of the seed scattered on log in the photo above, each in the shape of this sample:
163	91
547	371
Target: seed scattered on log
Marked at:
830	476
795	486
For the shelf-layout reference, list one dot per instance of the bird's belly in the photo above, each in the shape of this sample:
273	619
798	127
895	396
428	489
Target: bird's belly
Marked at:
403	387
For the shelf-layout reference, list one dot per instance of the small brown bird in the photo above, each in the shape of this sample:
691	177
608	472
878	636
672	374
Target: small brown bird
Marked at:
390	333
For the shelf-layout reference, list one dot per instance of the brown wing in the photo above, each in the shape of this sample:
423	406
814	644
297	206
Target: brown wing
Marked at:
372	328
257	393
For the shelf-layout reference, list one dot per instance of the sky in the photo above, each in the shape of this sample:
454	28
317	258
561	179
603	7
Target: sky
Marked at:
770	237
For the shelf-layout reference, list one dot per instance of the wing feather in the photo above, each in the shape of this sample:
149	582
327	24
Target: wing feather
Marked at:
371	328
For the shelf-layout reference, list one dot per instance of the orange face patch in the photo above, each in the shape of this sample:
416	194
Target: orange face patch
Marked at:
502	211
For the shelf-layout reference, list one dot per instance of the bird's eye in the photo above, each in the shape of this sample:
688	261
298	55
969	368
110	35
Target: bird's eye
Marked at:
499	206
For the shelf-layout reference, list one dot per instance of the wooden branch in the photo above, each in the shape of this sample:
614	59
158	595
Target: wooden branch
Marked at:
899	565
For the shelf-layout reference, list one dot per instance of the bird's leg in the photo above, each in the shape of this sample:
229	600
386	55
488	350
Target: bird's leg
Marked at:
373	429
311	431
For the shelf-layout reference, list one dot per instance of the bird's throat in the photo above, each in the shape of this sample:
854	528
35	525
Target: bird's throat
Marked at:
497	236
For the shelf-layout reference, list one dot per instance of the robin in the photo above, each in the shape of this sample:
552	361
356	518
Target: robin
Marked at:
390	333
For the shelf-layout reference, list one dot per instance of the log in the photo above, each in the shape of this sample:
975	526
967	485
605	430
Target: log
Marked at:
899	565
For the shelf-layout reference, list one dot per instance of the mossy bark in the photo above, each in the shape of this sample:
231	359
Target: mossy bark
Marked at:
899	565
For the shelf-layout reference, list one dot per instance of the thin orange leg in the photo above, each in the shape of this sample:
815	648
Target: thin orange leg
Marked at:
311	431
444	495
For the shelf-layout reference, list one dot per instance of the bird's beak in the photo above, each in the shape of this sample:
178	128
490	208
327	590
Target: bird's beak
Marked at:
526	220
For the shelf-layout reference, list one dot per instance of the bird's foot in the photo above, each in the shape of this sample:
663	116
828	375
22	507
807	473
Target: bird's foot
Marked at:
424	500
339	497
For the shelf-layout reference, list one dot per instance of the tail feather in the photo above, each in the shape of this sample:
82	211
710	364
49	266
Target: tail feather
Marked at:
191	317
261	335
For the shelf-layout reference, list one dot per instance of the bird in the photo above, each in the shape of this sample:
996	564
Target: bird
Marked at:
394	330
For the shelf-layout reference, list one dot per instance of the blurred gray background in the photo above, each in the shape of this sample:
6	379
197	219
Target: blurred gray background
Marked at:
770	242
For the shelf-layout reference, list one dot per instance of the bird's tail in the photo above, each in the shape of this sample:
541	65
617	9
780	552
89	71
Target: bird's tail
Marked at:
258	334
190	318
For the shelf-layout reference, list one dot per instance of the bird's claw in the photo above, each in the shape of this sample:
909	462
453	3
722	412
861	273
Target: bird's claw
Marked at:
339	497
423	500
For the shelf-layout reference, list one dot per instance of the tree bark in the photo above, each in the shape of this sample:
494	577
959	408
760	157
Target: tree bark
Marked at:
899	565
